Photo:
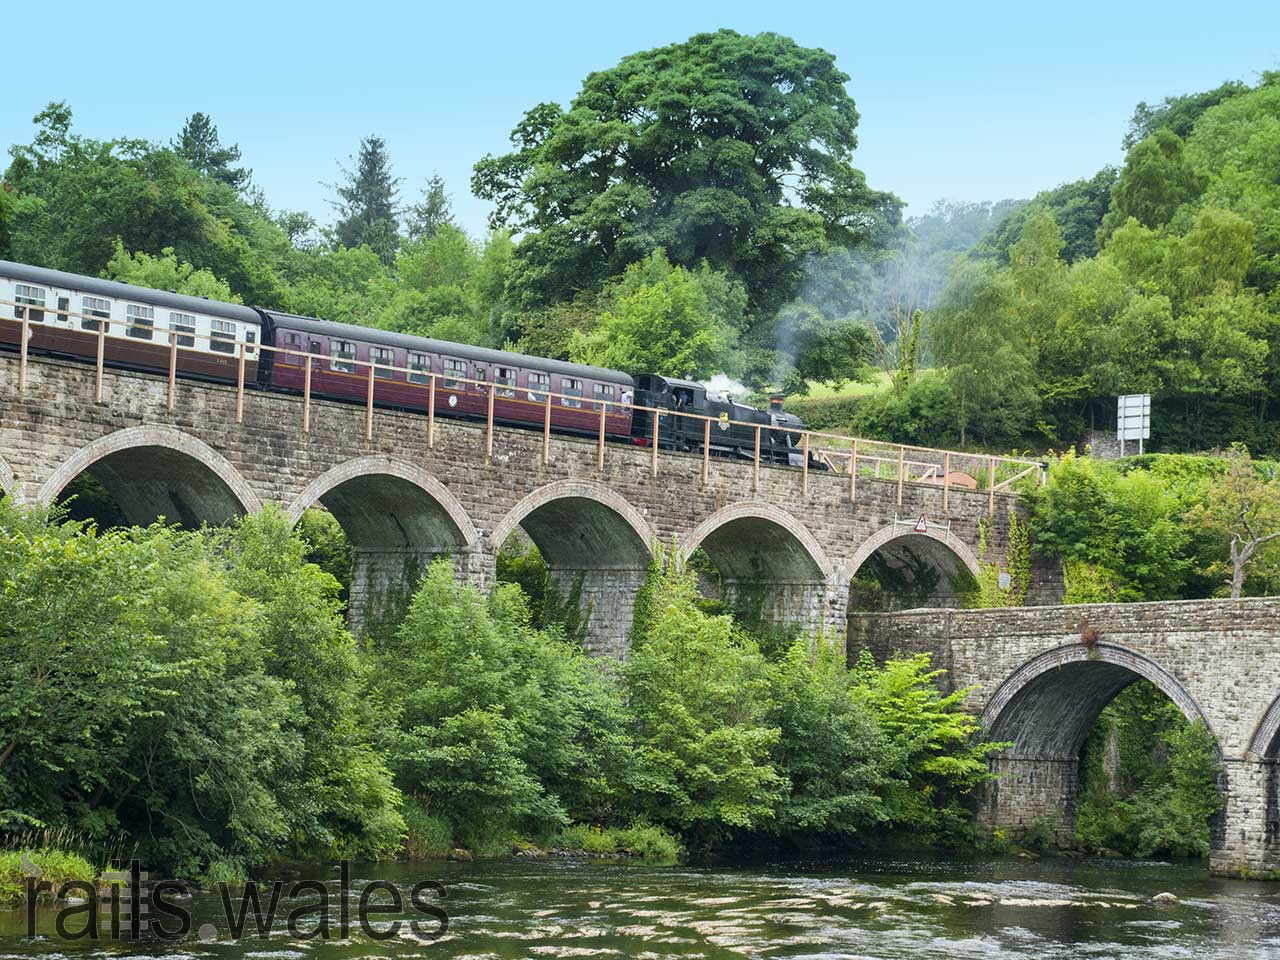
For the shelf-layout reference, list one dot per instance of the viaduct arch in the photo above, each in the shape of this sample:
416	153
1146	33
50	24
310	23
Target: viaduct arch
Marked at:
158	471
597	547
772	568
397	518
927	567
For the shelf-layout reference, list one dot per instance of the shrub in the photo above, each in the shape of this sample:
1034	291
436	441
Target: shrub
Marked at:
427	836
56	866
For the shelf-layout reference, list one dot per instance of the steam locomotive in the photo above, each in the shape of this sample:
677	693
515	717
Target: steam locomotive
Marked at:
67	311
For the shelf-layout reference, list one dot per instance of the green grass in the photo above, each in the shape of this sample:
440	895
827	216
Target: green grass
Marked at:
56	866
879	383
427	836
638	840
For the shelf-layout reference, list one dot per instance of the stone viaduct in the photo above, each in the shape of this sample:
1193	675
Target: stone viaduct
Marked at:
1040	676
793	543
402	502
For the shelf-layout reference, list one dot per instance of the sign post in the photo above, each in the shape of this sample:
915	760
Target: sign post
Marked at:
1133	419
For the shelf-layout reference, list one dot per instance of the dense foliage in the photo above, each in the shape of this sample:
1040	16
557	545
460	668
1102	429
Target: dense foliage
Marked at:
197	694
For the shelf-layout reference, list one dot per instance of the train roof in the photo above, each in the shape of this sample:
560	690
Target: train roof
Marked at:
127	291
350	331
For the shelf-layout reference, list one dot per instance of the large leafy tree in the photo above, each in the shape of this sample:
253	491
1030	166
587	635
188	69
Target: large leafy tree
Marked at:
726	148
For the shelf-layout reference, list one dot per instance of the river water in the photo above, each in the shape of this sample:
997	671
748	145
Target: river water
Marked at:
873	908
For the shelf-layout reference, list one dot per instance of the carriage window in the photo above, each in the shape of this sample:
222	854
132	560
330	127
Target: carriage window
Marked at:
343	353
572	389
539	382
222	336
603	391
32	300
384	359
505	378
419	368
184	325
456	367
141	321
479	375
95	307
64	307
250	336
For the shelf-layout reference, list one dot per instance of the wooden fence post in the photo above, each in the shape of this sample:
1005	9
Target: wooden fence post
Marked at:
755	466
431	413
991	486
102	348
546	429
853	470
306	397
946	483
706	449
239	386
600	443
488	428
804	471
902	453
653	452
368	407
23	334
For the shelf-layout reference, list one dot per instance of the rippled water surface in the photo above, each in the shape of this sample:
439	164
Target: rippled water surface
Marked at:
857	909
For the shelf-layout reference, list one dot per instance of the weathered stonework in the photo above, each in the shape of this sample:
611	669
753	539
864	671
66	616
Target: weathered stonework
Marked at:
1036	683
402	503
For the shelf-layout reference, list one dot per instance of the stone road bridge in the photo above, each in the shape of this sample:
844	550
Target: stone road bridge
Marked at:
795	540
1039	681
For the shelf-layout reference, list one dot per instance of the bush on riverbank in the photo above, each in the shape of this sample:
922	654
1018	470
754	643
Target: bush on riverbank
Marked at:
56	866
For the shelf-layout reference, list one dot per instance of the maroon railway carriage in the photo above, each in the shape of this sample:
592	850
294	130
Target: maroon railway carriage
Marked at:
404	365
66	311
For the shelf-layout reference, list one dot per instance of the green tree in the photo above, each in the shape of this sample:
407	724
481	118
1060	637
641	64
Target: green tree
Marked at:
1154	182
366	201
198	144
660	321
726	148
1241	511
1177	114
1078	207
165	272
433	211
698	695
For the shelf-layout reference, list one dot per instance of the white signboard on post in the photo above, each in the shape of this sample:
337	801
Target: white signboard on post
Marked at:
1133	419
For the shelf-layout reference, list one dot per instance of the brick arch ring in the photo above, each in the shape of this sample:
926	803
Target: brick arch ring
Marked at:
564	489
1267	737
1109	653
894	531
763	511
388	467
150	436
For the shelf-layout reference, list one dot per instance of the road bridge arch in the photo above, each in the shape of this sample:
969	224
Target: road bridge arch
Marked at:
397	518
597	548
156	472
1046	709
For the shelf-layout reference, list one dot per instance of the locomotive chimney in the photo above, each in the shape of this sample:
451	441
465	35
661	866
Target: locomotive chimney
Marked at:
775	403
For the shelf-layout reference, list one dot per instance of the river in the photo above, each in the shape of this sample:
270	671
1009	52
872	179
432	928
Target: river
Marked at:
871	908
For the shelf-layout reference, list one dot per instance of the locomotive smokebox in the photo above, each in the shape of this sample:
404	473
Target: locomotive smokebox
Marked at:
775	403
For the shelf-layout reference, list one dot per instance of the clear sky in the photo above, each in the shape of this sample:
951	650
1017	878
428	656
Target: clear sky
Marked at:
962	99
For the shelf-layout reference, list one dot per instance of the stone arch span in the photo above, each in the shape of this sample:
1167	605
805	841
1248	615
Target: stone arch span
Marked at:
772	569
1045	710
397	518
754	538
1265	742
158	471
927	566
597	547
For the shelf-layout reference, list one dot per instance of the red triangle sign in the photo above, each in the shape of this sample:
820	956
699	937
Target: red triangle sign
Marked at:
922	525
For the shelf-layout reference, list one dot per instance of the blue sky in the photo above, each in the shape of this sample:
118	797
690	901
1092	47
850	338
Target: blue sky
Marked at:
964	100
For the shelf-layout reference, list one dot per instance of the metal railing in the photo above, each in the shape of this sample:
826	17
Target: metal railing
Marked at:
852	456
